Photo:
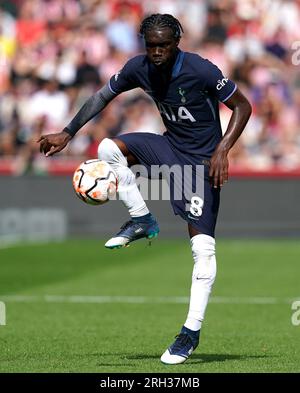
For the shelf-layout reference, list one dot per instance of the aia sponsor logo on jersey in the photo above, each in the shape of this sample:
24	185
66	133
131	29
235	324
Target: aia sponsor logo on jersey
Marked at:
175	114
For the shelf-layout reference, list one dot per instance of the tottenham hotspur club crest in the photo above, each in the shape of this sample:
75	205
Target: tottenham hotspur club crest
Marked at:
182	93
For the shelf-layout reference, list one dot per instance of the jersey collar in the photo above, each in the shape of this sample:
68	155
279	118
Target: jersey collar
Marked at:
178	63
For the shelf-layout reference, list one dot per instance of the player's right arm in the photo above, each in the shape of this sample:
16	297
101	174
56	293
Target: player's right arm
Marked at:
53	143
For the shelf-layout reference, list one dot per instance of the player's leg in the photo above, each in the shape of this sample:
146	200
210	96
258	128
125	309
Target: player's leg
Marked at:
202	241
142	223
203	277
115	152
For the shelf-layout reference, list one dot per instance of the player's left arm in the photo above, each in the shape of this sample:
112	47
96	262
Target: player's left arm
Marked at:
241	111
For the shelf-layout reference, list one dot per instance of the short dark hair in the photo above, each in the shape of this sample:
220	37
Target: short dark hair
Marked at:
161	20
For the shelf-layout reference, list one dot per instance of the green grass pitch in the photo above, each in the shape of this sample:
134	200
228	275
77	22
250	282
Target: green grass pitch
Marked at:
77	307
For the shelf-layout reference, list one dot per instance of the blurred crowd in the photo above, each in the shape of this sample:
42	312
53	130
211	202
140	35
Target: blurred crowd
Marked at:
55	53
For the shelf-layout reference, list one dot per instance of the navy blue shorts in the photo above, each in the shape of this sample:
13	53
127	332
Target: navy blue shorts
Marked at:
197	202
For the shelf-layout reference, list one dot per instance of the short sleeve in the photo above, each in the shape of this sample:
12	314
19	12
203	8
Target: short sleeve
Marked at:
217	84
125	79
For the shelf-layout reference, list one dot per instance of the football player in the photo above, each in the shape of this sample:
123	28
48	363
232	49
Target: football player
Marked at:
186	89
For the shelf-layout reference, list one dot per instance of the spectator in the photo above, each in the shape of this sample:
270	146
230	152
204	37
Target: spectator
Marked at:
54	54
86	73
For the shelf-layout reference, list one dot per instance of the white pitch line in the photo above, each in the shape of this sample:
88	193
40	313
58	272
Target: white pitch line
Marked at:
139	299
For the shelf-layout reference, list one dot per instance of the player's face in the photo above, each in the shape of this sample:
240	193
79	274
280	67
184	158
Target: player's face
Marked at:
161	46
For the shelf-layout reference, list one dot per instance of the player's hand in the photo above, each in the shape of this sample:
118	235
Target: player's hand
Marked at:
218	172
53	143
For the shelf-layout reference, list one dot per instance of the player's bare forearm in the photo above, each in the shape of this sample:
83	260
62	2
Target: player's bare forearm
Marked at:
241	108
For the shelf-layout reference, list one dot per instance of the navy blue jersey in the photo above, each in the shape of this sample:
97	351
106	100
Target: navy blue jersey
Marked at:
188	100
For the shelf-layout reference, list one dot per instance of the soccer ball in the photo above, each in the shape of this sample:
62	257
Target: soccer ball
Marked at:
95	182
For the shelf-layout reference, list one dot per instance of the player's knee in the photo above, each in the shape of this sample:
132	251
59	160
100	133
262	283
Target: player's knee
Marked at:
203	245
106	149
109	151
203	250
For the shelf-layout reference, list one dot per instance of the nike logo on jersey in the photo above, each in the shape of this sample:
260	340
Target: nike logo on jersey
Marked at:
117	75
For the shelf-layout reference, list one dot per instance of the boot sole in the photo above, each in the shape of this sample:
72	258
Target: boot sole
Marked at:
151	236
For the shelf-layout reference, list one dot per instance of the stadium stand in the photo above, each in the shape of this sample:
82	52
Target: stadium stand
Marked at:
54	54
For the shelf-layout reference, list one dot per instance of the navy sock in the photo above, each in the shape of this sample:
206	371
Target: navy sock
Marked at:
193	334
148	218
